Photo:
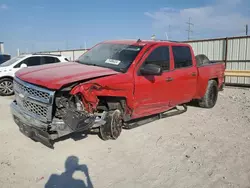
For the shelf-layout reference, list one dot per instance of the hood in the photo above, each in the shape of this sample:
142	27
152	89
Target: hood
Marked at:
54	76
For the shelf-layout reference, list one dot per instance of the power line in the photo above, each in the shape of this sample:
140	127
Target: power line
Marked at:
189	28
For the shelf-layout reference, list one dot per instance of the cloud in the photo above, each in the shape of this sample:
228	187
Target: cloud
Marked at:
222	19
3	7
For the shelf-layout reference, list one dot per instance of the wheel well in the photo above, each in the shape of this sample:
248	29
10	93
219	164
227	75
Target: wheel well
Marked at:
112	103
215	79
10	77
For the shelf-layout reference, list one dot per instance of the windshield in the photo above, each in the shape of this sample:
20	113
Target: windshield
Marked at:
114	56
11	61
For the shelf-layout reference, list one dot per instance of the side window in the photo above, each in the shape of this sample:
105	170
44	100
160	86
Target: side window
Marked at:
30	61
159	56
182	56
49	60
19	64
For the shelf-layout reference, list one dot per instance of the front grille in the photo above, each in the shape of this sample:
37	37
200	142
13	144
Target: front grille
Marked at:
35	108
34	100
31	92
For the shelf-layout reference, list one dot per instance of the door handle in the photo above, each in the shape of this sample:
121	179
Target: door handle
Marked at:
193	74
169	79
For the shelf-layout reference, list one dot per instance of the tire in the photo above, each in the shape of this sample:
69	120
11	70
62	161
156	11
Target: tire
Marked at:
210	98
113	127
202	59
6	87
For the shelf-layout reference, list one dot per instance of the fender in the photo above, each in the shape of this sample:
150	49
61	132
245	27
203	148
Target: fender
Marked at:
90	92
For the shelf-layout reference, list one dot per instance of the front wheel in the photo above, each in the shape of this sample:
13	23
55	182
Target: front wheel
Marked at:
6	87
113	126
210	98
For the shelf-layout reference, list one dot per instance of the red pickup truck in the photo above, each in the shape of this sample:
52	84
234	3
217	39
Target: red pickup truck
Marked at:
110	87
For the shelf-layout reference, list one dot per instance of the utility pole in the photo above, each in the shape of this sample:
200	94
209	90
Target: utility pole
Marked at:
85	46
246	29
18	52
166	33
189	28
169	32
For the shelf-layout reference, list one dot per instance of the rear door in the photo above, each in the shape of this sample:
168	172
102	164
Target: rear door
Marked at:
151	94
184	75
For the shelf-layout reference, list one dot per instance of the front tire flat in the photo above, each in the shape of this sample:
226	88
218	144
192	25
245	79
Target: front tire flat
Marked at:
113	127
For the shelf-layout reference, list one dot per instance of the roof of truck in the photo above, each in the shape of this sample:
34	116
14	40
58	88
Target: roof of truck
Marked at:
140	42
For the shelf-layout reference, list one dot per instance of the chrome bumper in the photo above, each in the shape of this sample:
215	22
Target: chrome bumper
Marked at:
31	127
38	130
25	118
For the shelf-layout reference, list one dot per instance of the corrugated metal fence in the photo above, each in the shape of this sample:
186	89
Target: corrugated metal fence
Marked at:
234	51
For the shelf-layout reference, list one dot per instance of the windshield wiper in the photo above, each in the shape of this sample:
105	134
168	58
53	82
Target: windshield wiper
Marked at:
84	63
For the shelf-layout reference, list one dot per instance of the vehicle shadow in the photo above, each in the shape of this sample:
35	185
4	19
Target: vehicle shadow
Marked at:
74	136
66	180
193	103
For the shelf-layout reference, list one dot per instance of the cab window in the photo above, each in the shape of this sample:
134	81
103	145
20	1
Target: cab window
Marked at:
182	57
160	57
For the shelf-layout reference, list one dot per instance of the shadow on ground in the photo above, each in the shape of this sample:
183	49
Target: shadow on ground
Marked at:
66	180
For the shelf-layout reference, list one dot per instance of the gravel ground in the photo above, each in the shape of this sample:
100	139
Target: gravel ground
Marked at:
200	148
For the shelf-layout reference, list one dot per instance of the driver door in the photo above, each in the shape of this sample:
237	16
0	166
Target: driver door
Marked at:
151	95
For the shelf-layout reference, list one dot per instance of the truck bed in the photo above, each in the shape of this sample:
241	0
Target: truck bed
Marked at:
214	70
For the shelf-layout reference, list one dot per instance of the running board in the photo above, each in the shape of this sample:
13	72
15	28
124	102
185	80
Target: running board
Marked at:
145	120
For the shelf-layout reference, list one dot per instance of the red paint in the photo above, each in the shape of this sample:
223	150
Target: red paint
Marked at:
54	76
144	95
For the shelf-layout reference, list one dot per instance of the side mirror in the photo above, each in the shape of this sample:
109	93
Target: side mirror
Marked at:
23	65
151	69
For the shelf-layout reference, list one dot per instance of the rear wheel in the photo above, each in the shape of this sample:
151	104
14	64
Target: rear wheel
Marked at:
210	98
6	87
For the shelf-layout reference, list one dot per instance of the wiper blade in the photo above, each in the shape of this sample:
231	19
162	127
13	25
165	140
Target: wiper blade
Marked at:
90	64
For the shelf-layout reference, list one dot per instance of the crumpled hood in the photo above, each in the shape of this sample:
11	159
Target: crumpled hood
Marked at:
54	76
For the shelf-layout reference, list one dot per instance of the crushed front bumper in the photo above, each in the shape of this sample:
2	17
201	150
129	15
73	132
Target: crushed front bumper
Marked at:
47	133
31	127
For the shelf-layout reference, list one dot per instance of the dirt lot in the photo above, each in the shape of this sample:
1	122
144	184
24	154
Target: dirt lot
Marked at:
200	148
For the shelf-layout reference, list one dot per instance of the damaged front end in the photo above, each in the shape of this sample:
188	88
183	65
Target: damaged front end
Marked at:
71	110
45	115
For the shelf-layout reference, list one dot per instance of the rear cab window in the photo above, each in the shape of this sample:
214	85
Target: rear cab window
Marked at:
182	57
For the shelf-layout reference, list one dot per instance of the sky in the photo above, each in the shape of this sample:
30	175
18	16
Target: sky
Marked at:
42	25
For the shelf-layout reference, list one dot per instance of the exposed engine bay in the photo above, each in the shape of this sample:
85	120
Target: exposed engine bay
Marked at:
106	119
72	111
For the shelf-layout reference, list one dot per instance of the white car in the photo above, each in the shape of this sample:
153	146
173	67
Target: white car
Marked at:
9	68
